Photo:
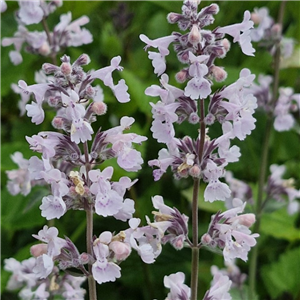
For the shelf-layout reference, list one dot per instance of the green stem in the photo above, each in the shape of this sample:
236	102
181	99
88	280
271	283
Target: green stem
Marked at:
264	163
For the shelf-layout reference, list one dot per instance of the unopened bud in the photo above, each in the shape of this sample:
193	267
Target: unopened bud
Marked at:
181	76
194	35
218	73
276	30
84	258
195	171
226	44
255	18
193	118
44	49
121	250
49	68
99	108
178	242
206	239
58	123
246	219
38	250
90	91
173	17
66	68
82	60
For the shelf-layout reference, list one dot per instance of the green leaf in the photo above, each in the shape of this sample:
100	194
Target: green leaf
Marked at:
283	276
280	225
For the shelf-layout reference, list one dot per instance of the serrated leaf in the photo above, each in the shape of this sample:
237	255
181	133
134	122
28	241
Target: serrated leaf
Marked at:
283	276
280	225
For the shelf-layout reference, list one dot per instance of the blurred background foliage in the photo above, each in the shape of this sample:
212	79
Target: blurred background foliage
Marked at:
116	27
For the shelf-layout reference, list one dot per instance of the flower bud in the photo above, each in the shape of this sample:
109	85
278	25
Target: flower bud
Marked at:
58	123
173	17
246	219
66	68
82	60
276	30
49	68
84	258
121	250
99	108
195	171
226	44
38	250
255	18
194	35
181	76
218	73
44	49
193	118
206	239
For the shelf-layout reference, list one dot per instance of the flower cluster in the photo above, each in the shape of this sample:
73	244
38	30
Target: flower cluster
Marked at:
232	106
65	34
230	232
268	33
278	188
285	106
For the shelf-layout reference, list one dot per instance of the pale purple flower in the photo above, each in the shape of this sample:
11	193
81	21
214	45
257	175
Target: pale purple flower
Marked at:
3	6
261	17
76	36
127	158
284	120
30	12
72	288
44	266
219	288
145	240
241	105
41	292
215	190
178	290
22	273
198	86
102	269
24	97
81	130
158	59
38	89
244	37
53	207
108	202
19	180
165	159
45	143
15	57
49	235
35	112
105	74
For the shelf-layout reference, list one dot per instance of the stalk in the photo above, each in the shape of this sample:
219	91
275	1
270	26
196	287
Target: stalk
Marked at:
50	41
264	163
195	217
89	229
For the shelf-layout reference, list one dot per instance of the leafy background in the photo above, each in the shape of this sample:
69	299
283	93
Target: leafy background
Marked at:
116	27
